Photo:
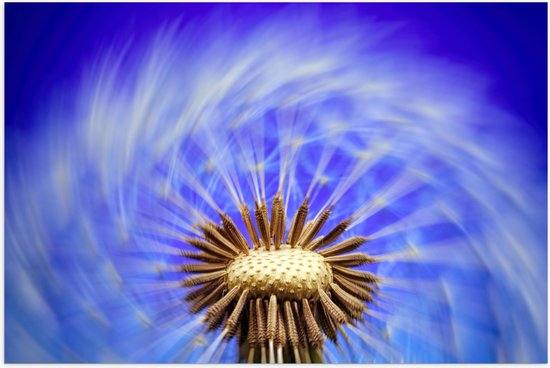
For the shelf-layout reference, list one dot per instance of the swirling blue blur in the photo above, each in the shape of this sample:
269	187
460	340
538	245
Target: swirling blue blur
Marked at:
126	125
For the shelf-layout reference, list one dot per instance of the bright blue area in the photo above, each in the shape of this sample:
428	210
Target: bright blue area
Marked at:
48	44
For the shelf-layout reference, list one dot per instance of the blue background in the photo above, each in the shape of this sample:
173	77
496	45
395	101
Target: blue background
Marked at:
48	44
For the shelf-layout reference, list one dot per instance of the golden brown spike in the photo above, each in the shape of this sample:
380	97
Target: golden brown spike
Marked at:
203	290
203	279
234	234
315	336
291	330
202	267
245	213
351	259
280	337
316	227
272	318
281	330
265	219
209	248
333	234
305	232
218	321
291	230
347	298
209	298
299	221
234	318
220	230
217	311
327	324
354	274
260	318
291	325
202	256
239	331
252	324
344	246
281	225
315	244
275	214
332	309
353	314
361	290
261	322
299	324
315	311
263	224
213	235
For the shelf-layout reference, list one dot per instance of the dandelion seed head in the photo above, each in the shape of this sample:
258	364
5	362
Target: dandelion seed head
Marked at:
272	270
107	203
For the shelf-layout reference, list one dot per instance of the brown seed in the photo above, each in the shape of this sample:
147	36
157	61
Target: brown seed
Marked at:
347	298
350	259
233	320
203	290
202	279
263	224
317	225
234	234
334	234
290	325
261	322
281	227
252	324
354	274
204	257
344	246
299	221
214	236
272	318
327	324
208	299
209	248
275	214
217	311
208	267
360	289
305	232
315	336
281	338
299	324
332	309
245	213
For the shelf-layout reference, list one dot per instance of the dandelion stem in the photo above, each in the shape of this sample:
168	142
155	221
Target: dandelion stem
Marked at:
251	353
280	359
271	352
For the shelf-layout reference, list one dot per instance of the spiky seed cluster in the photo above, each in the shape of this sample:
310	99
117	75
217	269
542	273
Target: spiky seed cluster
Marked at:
280	298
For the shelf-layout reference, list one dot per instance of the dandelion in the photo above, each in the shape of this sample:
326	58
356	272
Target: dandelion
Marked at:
284	296
280	188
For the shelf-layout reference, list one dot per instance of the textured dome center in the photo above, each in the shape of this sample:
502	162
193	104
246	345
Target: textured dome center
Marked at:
289	273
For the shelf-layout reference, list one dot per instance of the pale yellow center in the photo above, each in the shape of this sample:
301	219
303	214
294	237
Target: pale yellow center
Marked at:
289	273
